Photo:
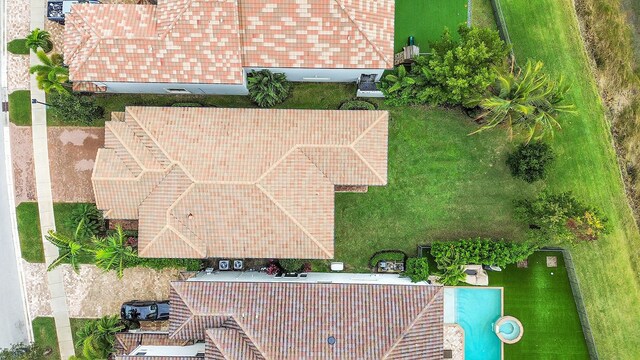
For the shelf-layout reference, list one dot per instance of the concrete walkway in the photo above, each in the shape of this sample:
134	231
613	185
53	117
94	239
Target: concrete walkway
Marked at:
59	305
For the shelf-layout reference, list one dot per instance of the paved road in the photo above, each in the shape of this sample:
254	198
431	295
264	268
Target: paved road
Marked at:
13	318
13	322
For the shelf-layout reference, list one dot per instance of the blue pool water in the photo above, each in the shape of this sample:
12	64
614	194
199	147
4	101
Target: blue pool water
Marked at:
476	310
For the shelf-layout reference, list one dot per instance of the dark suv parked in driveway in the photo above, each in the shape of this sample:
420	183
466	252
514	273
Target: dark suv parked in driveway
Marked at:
137	310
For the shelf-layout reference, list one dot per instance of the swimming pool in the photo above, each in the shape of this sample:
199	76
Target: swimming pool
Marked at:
475	310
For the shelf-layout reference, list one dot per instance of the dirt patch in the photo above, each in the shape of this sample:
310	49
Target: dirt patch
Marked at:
93	293
72	153
22	161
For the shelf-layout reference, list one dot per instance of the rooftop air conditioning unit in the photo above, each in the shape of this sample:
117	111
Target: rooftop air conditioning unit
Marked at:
223	265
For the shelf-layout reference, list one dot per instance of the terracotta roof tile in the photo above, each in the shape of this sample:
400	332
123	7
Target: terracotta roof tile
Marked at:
210	41
236	182
367	321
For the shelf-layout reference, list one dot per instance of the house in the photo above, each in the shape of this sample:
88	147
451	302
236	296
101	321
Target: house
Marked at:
244	183
331	316
209	46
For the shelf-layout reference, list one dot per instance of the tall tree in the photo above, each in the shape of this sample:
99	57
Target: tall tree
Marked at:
70	248
527	102
51	74
97	337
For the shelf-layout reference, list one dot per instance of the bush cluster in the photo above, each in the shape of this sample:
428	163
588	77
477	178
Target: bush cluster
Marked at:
357	105
417	269
529	162
291	265
456	71
558	218
75	108
480	251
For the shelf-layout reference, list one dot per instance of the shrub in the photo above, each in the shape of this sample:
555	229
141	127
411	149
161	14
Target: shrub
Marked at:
97	337
23	352
529	162
451	275
357	105
90	218
39	39
291	265
18	47
387	255
456	71
417	269
558	218
75	109
186	104
480	251
267	89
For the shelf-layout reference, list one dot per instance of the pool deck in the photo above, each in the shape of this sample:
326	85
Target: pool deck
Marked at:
454	340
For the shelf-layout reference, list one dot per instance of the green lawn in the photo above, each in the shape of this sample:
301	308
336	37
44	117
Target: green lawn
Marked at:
20	107
482	14
29	232
44	332
608	269
442	184
541	298
305	95
426	19
18	47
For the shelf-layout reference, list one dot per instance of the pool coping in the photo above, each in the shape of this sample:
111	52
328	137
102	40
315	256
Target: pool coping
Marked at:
501	288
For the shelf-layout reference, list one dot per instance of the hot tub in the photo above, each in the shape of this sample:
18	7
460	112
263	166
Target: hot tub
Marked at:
509	329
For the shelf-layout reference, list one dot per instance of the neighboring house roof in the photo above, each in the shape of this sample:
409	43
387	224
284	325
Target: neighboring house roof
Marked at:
210	41
294	320
236	182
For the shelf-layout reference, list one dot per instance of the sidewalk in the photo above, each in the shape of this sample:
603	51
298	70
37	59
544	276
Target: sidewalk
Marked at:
59	305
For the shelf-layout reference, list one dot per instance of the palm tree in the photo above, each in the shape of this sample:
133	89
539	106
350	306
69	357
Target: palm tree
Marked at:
112	253
97	337
528	102
451	275
51	74
39	39
267	89
70	249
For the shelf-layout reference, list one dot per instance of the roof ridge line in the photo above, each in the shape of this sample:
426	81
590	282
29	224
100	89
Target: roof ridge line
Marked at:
304	230
147	132
355	23
124	145
253	341
415	320
169	29
371	126
275	164
367	164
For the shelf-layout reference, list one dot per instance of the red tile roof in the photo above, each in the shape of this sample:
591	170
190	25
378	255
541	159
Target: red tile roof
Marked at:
236	182
210	41
294	320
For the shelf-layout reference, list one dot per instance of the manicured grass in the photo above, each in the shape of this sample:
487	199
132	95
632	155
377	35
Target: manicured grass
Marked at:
426	19
608	269
20	107
541	298
305	95
442	184
482	14
44	332
18	47
29	232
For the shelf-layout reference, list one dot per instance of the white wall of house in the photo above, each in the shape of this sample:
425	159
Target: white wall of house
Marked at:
322	75
165	88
